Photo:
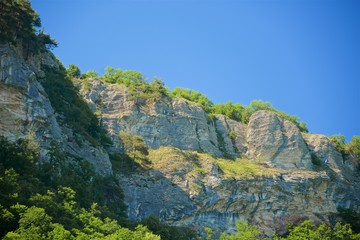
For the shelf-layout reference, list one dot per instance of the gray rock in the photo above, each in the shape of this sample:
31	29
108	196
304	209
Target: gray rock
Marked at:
276	141
26	109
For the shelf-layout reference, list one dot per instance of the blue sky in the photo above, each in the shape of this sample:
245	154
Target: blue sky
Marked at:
302	56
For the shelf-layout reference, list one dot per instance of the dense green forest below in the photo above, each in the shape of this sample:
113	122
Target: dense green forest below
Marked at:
48	200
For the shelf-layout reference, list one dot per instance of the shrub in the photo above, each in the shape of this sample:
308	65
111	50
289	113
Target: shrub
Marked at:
354	146
232	135
73	71
19	23
339	142
193	96
89	74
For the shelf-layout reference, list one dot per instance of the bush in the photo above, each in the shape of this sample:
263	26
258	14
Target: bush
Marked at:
19	23
193	96
308	230
339	142
232	135
73	71
244	232
89	74
354	146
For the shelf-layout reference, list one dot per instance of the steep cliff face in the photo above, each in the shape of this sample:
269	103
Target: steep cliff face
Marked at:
190	188
169	122
24	106
193	177
26	110
277	184
277	141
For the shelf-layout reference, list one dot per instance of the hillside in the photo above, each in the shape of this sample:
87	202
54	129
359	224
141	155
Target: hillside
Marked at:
84	156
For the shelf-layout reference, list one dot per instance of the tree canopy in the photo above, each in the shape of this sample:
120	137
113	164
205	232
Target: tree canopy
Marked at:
19	23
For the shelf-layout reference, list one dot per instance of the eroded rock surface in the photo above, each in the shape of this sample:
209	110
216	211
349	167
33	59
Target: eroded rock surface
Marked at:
185	183
187	188
25	109
275	140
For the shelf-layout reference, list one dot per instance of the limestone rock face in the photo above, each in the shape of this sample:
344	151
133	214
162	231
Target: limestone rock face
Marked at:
327	155
25	108
184	183
179	193
24	105
324	150
232	147
277	141
166	122
153	194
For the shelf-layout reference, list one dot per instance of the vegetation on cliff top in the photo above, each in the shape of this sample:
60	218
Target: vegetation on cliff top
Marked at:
141	90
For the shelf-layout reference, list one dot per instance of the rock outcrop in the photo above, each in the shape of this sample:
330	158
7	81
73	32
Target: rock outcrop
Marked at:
188	188
168	122
277	141
182	188
25	109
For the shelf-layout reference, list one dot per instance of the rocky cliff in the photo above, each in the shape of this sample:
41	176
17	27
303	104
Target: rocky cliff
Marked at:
203	170
25	110
283	176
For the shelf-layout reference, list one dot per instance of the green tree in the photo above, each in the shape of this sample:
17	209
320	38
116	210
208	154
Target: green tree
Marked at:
244	232
193	96
134	147
73	71
307	230
339	143
33	224
89	74
19	23
209	233
354	146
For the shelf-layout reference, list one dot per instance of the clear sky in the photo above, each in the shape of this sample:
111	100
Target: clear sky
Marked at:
302	56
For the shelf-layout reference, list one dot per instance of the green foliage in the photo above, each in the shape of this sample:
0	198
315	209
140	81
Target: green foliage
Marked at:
236	111
89	74
65	100
209	233
230	110
23	180
349	216
257	105
135	147
73	71
339	143
19	23
140	90
193	96
243	168
354	146
120	76
70	221
167	232
307	230
232	135
244	232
